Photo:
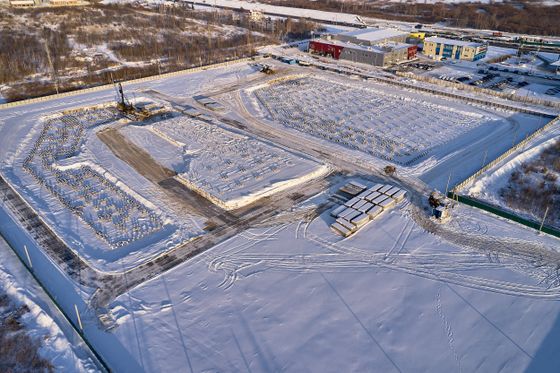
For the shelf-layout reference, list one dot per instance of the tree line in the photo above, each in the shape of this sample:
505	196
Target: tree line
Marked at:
524	17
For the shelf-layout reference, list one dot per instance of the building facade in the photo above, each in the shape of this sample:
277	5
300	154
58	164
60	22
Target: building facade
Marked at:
377	47
441	48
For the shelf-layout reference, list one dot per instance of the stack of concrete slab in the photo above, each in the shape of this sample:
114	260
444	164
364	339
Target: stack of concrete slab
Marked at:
363	205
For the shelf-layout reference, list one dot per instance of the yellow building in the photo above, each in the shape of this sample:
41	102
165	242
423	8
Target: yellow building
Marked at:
441	48
417	35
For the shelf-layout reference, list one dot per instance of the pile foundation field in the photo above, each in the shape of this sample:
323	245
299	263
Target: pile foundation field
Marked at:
400	128
229	168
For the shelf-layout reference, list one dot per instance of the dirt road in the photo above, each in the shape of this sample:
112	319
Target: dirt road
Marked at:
135	156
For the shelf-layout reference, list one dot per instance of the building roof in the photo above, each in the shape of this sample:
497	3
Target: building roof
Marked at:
373	34
461	43
379	48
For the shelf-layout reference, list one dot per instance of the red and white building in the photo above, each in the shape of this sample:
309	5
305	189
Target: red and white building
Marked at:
377	47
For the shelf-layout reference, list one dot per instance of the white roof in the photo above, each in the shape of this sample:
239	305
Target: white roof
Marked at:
462	43
373	35
379	48
557	63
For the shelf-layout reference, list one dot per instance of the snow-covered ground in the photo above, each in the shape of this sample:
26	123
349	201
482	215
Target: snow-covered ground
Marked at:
296	298
292	295
43	322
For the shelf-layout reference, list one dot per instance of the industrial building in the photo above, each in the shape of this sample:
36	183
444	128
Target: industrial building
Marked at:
441	48
377	47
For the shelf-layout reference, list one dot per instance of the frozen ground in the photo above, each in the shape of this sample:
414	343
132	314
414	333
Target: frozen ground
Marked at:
43	320
230	168
295	297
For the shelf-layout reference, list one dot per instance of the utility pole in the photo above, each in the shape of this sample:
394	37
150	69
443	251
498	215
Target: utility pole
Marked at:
79	318
51	65
447	186
544	218
484	159
28	257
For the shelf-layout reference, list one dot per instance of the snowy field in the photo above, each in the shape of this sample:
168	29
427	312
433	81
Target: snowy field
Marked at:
404	294
296	298
366	119
231	168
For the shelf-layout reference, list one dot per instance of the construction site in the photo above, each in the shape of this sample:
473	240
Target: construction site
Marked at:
255	170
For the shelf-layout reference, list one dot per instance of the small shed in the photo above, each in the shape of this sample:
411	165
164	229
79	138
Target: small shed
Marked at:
385	188
364	208
380	199
346	224
359	204
388	203
352	202
373	195
349	213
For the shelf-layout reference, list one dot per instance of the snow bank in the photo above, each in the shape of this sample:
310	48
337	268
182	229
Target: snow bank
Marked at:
22	288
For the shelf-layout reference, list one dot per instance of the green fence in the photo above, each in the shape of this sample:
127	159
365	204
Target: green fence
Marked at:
504	214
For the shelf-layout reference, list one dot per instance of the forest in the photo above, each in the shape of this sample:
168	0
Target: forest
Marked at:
524	17
49	50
